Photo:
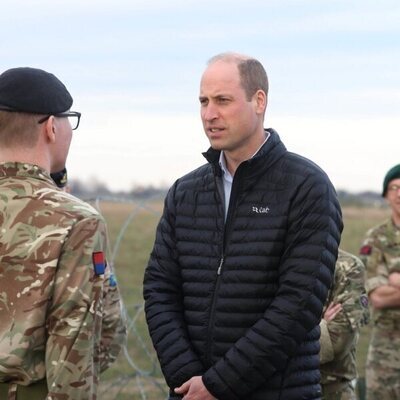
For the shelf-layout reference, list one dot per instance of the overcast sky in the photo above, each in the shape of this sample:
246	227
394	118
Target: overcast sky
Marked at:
133	68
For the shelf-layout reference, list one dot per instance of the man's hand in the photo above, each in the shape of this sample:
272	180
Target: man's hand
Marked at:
331	312
194	389
394	279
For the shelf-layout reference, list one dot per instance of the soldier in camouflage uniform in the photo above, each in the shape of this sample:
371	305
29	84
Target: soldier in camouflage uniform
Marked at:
60	309
381	254
345	312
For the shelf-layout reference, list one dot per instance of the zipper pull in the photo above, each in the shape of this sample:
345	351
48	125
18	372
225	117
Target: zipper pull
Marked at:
220	266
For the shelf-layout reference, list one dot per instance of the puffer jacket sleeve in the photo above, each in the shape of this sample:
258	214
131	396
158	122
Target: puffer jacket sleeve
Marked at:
305	275
163	304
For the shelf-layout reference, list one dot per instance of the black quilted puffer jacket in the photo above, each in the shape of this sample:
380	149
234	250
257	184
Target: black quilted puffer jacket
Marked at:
239	302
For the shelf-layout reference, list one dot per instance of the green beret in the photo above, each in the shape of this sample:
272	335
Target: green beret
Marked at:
393	173
33	90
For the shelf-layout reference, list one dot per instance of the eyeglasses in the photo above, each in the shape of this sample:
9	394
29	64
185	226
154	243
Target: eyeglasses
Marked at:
74	118
393	188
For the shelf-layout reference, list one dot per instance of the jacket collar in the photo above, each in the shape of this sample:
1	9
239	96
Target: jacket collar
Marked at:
24	170
269	153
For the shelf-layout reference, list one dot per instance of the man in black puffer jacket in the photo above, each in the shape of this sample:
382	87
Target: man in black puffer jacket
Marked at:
244	255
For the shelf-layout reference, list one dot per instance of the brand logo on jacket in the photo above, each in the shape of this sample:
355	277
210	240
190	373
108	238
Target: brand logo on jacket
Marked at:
260	210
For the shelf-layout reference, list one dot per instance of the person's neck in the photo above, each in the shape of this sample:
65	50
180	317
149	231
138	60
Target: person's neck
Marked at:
235	158
27	156
232	163
396	220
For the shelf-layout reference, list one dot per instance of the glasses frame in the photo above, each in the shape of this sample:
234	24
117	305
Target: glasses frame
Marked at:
393	188
63	115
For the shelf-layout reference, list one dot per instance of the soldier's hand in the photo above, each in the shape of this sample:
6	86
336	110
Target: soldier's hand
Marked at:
331	312
394	279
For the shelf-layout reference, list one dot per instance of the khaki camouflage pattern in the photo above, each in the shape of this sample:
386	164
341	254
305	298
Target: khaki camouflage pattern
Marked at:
339	337
383	361
384	242
59	320
347	393
383	366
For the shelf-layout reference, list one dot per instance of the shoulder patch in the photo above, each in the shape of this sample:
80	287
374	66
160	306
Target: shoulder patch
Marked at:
364	300
99	263
113	281
366	250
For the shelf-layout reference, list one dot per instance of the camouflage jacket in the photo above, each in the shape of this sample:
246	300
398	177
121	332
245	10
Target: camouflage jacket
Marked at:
339	337
60	309
380	253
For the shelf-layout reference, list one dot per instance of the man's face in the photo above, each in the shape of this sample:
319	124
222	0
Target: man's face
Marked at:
393	196
231	122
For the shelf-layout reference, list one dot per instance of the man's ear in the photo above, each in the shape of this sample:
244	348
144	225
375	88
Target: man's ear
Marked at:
50	129
261	101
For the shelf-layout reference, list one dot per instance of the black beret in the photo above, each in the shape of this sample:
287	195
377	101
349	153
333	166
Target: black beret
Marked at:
34	91
393	173
60	178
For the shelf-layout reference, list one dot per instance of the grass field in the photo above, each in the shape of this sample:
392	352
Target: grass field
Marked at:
136	374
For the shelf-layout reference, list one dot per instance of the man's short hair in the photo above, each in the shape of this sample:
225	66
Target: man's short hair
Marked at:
252	74
18	129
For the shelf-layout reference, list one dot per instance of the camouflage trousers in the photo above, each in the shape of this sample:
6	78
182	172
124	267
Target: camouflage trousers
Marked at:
347	393
35	391
383	366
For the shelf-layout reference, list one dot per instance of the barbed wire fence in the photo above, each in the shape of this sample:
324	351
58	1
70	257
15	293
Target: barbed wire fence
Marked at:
136	374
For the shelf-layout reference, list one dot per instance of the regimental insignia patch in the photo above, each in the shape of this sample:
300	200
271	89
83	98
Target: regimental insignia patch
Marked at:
113	281
99	263
364	300
365	250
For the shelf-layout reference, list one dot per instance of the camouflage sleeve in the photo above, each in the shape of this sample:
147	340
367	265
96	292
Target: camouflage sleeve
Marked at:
349	291
113	335
74	318
327	352
352	293
373	258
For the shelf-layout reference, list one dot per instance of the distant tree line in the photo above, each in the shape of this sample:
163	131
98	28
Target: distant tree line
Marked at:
98	189
362	199
142	192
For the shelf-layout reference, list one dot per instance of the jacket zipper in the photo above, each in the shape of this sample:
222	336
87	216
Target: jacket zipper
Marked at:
221	263
226	234
217	284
